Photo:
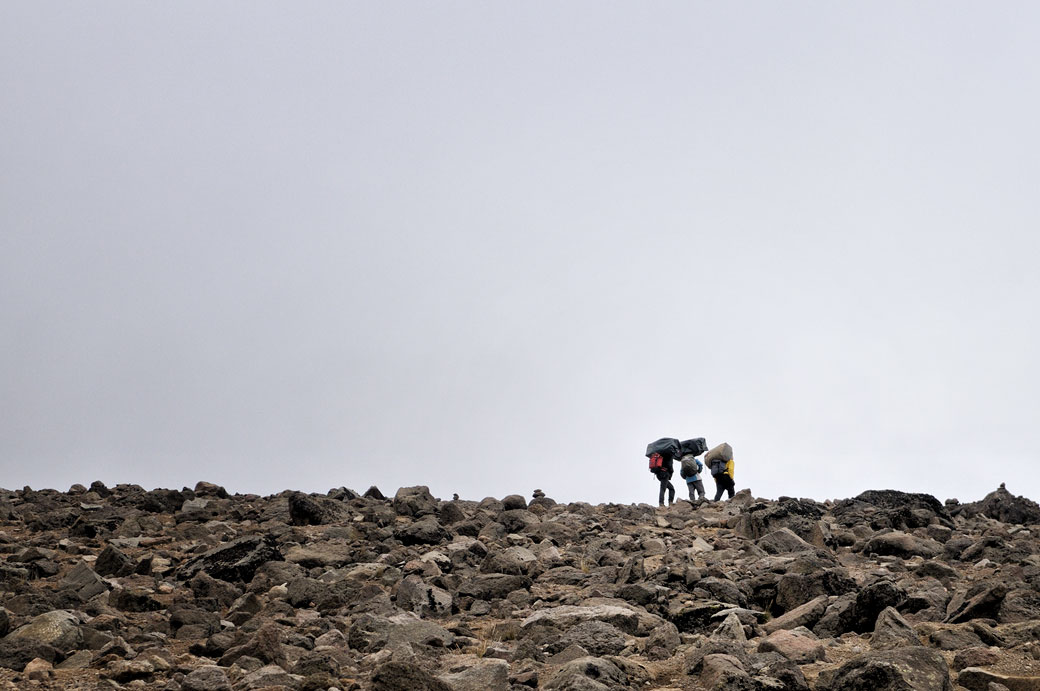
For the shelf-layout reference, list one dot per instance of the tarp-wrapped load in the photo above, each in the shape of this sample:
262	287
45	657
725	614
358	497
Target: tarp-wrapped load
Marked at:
694	447
722	452
666	446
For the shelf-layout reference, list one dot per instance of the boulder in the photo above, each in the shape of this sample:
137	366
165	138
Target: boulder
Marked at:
900	544
514	502
236	561
59	629
112	562
977	679
565	616
984	604
762	518
576	675
783	540
891	630
314	510
804	615
917	668
206	678
133	600
1007	508
414	502
598	638
398	676
424	532
487	675
798	648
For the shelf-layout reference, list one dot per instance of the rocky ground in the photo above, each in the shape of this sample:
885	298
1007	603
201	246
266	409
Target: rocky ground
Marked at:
198	590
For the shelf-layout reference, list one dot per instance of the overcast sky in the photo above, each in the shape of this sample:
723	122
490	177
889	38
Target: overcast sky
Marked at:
489	247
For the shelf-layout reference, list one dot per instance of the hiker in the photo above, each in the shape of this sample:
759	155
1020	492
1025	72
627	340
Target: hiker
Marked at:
661	453
720	462
690	468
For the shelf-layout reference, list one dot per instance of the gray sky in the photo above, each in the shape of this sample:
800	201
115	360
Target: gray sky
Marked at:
488	247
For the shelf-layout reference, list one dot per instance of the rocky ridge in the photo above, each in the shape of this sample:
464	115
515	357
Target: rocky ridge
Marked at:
200	590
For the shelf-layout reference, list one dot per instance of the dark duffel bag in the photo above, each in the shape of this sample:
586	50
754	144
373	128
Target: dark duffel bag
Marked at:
666	446
694	447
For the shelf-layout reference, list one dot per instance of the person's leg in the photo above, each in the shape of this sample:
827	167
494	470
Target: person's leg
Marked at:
719	487
660	495
693	491
729	486
699	486
671	493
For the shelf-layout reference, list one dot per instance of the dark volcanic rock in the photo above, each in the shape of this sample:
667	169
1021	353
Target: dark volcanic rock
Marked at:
133	600
398	676
112	562
1007	508
235	561
414	502
891	509
313	510
901	669
425	532
798	515
312	592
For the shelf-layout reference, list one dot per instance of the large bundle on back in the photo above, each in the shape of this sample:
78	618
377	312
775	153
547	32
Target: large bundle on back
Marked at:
666	446
722	452
694	447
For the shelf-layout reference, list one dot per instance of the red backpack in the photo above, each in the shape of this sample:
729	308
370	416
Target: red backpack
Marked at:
656	462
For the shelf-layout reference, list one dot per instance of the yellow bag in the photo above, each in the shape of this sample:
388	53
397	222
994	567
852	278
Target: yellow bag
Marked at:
729	469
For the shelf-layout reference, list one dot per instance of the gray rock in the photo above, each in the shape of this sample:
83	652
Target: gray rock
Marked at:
488	675
984	604
235	561
782	541
514	502
314	510
423	532
268	676
206	678
59	629
796	647
976	657
902	545
569	615
976	679
918	668
415	502
588	674
892	631
512	560
730	630
133	600
83	581
491	586
213	590
371	633
871	600
112	562
806	615
760	519
414	595
518	521
795	589
597	637
399	676
954	639
723	672
1007	508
